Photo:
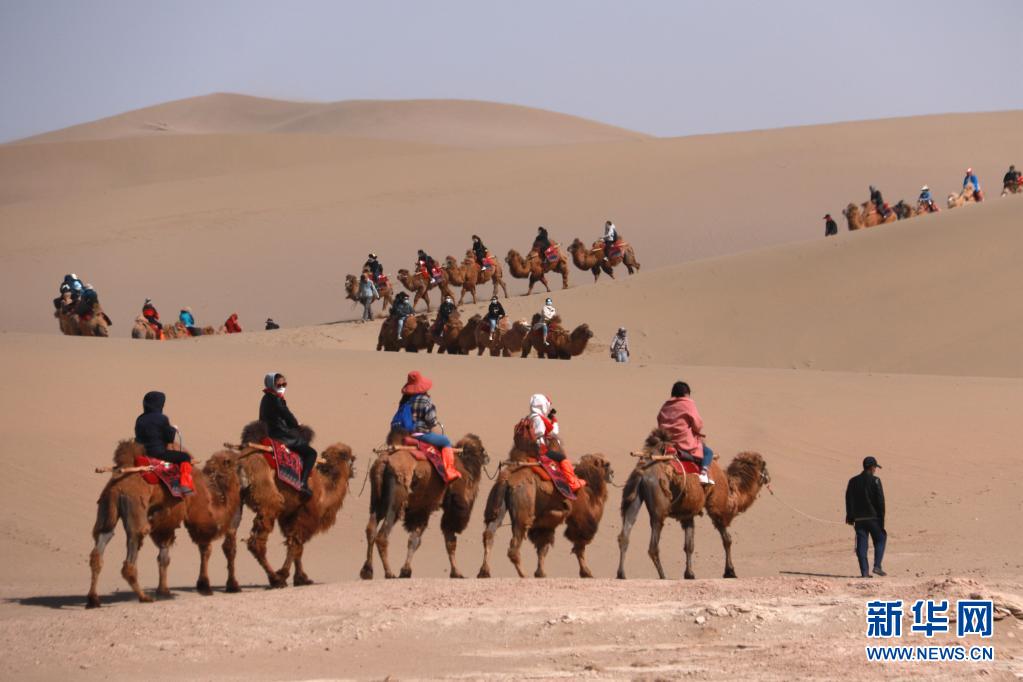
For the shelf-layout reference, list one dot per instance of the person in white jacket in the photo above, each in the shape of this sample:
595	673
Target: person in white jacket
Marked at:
610	237
543	428
547	314
620	346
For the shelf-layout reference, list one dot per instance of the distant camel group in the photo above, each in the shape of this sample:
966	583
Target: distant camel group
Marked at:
508	339
468	274
404	488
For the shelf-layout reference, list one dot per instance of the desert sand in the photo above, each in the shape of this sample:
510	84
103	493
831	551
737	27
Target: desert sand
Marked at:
900	341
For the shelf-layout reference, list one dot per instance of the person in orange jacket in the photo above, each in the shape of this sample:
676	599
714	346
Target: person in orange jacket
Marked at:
544	429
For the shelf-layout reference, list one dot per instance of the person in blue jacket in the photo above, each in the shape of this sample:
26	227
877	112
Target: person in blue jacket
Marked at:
971	179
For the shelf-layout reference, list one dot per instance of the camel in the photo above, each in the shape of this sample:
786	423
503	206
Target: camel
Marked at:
592	259
537	510
467	340
273	501
403	487
386	291
469	275
421	287
510	342
535	268
415	336
967	196
143	330
212	511
561	345
450	334
655	484
95	323
67	321
484	341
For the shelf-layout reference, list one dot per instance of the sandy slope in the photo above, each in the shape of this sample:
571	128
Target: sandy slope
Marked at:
463	123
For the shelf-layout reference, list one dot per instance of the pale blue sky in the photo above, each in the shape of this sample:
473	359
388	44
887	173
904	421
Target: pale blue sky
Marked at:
662	67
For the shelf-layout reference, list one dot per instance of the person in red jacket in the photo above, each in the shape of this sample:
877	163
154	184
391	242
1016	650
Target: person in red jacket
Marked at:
680	418
232	326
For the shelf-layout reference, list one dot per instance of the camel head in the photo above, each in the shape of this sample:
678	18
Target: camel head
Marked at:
596	469
126	451
254	432
473	450
336	460
581	335
749	469
657	442
575	245
450	262
403	276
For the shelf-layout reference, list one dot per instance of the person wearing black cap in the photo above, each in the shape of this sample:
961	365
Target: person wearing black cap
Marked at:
479	250
830	226
373	266
864	510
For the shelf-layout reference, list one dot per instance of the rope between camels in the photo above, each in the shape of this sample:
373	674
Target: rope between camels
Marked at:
801	513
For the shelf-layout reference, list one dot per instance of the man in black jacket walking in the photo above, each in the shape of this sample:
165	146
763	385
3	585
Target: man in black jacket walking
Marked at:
864	510
282	425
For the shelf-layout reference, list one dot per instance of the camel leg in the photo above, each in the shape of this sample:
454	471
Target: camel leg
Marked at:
262	526
290	543
503	287
129	570
564	278
415	538
301	578
202	585
382	541
628	521
656	524
371	535
543	540
726	540
451	544
488	542
96	565
230	548
689	526
579	549
515	547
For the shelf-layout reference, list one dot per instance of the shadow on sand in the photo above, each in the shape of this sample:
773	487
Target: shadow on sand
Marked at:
77	601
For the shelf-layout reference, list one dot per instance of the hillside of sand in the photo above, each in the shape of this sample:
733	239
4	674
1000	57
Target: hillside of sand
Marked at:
899	341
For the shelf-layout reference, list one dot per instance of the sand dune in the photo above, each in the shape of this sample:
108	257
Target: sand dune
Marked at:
461	123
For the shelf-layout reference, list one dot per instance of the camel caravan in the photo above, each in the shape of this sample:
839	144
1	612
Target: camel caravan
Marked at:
155	488
78	311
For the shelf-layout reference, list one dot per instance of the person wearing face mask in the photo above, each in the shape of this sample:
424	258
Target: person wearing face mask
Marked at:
547	315
282	425
494	315
154	432
544	430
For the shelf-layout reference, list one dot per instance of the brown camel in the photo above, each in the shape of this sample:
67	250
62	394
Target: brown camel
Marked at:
95	323
967	196
537	510
467	341
469	275
212	511
535	268
273	501
67	321
510	342
420	286
561	345
493	342
386	291
403	487
872	217
655	484
415	336
143	330
592	258
450	333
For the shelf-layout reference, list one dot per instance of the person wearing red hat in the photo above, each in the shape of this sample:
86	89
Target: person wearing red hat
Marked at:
830	226
417	416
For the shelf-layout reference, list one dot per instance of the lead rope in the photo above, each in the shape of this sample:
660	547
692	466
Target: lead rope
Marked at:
801	513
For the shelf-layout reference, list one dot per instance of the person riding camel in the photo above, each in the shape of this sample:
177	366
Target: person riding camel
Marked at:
544	430
879	203
925	200
681	420
547	314
495	313
443	315
186	318
64	302
427	265
400	310
154	432
74	285
542	242
417	417
152	317
282	426
971	179
610	237
479	250
231	326
373	266
1011	180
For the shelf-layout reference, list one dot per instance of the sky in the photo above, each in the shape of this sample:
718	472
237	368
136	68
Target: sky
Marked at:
658	66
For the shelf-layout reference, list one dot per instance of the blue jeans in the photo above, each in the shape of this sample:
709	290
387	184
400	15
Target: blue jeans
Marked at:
437	440
708	457
493	324
621	356
401	326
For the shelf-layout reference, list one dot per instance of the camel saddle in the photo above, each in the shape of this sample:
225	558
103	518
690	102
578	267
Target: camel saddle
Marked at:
548	469
286	463
552	254
489	261
167	473
683	463
426	452
382	282
616	249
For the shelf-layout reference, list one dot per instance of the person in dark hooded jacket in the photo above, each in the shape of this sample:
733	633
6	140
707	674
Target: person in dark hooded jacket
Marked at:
154	432
283	426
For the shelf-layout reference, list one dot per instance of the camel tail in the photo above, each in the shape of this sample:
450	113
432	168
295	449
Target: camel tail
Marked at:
108	512
632	490
383	491
497	501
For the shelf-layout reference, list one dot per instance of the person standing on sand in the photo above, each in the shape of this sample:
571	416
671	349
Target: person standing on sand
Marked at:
864	511
830	226
620	346
367	294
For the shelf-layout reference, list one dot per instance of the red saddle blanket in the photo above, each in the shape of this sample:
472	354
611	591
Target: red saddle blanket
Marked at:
286	463
167	473
489	261
552	254
683	463
382	282
616	249
548	469
426	452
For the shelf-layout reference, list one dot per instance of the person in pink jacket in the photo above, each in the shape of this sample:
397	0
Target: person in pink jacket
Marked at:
682	421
